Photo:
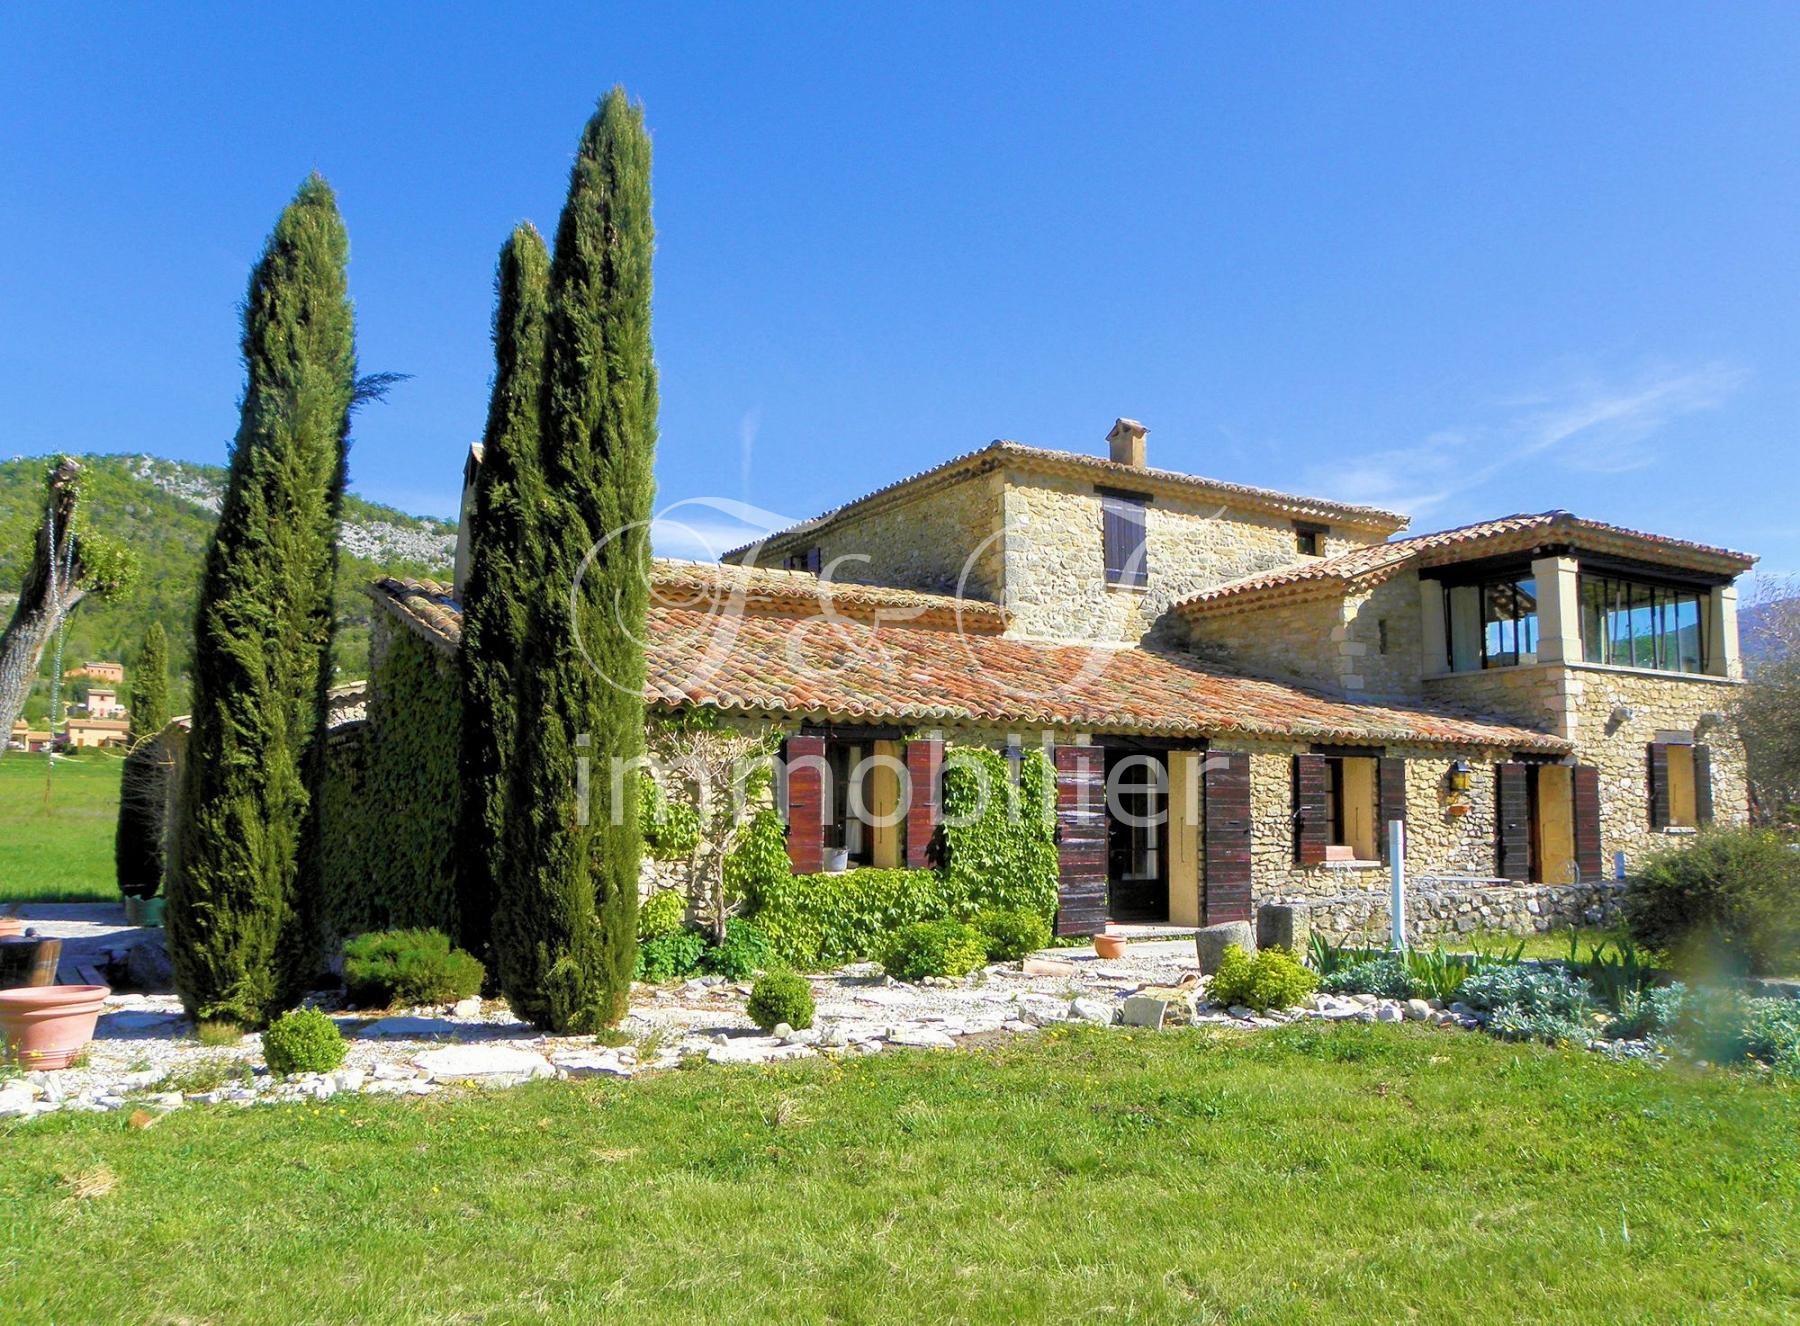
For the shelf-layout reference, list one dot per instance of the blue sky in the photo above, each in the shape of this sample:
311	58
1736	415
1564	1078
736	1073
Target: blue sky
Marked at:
1461	262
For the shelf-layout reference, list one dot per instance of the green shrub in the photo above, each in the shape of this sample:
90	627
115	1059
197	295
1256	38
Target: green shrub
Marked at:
662	913
781	996
1274	978
1730	899
400	967
1549	991
1387	977
1647	1012
758	867
671	829
745	952
671	957
823	920
303	1040
1010	935
1727	1026
933	948
1514	1023
999	837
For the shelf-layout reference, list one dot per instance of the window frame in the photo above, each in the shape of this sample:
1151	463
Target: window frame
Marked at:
1309	531
1617	604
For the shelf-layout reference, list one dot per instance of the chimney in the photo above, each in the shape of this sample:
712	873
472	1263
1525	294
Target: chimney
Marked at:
1127	440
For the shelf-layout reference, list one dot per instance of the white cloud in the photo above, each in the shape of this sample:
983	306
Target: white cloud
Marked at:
704	528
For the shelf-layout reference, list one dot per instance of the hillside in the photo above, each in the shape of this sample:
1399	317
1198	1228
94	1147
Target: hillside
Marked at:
164	510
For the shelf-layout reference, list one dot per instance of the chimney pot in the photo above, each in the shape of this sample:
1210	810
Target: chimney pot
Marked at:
1127	442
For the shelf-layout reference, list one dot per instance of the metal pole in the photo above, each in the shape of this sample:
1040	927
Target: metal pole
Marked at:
1397	867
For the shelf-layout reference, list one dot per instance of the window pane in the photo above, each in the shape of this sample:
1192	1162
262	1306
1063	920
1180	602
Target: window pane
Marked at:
1525	604
1593	619
1643	635
1687	631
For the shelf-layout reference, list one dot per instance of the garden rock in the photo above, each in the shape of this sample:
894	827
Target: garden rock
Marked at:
1040	1009
1389	1013
495	1064
925	1038
1179	1002
1210	943
583	1063
1091	1010
1283	925
1417	1010
147	965
410	1028
467	1008
1143	1011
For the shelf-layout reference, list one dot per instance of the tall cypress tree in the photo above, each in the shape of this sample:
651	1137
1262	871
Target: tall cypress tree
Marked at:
143	784
504	530
565	925
243	881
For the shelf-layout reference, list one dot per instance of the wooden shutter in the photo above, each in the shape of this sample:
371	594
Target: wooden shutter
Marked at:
924	766
1390	799
1227	815
1659	785
1584	780
1122	540
1080	840
1703	787
1312	815
1512	816
806	780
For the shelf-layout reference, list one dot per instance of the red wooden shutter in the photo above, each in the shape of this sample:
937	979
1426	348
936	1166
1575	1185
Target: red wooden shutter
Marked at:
1080	840
924	766
1312	816
1227	815
806	809
1659	785
1589	858
1512	814
1390	799
1703	785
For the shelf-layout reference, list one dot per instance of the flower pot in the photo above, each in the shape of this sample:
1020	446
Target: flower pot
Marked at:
143	911
1109	946
47	1026
837	860
11	925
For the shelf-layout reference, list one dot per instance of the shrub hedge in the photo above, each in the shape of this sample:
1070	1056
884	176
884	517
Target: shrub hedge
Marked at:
662	913
1274	978
1010	935
1730	899
933	948
303	1040
781	996
402	967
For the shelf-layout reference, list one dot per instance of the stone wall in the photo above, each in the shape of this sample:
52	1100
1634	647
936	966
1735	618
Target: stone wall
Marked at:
1445	911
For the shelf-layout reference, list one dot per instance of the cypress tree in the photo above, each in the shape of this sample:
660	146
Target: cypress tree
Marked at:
503	528
143	784
566	920
244	878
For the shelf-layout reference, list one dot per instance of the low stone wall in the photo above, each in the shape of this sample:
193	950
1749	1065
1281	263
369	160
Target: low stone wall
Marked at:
1444	910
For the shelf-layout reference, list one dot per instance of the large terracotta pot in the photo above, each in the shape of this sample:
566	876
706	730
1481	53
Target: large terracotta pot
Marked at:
1109	946
47	1026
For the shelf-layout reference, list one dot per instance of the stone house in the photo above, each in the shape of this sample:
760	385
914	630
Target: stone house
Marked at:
1239	689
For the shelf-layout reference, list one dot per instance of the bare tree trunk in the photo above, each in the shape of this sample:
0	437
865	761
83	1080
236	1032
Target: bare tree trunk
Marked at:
50	591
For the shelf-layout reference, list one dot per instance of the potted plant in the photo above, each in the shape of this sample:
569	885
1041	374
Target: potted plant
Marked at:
47	1026
1109	946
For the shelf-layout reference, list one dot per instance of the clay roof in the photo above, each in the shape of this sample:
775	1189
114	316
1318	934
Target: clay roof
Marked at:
772	661
1365	567
1001	454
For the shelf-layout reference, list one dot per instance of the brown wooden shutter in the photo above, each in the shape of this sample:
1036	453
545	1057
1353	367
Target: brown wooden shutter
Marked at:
1659	785
1703	785
1080	840
924	766
1227	815
1512	815
806	781
1590	859
1312	815
1390	799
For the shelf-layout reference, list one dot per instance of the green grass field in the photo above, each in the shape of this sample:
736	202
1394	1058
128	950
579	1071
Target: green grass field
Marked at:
60	851
1312	1174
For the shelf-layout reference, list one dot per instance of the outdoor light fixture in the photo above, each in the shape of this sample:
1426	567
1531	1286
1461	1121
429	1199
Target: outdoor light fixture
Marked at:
1461	776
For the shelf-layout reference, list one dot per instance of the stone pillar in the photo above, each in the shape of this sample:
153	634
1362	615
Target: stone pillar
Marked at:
1722	633
1559	609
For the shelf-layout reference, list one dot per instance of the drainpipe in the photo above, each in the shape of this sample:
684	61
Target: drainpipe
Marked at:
1397	869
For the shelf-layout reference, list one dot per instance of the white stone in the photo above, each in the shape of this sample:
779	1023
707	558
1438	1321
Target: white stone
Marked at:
467	1008
1091	1010
590	1063
1417	1010
922	1038
1389	1013
456	1063
1041	1009
347	1079
1241	1013
408	1027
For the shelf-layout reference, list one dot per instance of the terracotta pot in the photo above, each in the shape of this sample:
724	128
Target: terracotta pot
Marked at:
47	1026
1109	946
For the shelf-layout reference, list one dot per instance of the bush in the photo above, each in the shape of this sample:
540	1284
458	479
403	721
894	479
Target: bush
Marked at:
1549	991
1515	1023
1645	1013
670	829
661	914
999	837
1274	978
781	996
822	920
933	948
1729	899
1010	935
303	1040
745	952
408	967
1387	977
1725	1026
671	957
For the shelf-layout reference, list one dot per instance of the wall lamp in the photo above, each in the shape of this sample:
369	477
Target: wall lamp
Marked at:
1461	776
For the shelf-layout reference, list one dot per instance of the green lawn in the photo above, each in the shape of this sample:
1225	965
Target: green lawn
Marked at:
60	851
1314	1174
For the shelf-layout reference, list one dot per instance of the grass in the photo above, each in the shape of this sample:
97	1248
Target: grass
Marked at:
60	850
1310	1174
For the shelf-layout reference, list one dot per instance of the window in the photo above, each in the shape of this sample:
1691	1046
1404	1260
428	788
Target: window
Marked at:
1682	811
1309	539
1122	538
1491	624
1350	807
803	561
1381	635
1642	624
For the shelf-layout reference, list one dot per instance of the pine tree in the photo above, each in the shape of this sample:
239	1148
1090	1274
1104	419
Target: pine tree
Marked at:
565	924
508	511
143	784
244	876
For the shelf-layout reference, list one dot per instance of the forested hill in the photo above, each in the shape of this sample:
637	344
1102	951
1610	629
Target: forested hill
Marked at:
164	510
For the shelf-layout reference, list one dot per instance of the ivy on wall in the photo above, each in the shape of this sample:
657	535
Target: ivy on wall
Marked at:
999	836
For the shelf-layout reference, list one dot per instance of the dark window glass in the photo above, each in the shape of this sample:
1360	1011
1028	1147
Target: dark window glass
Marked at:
1309	540
1509	623
1640	624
